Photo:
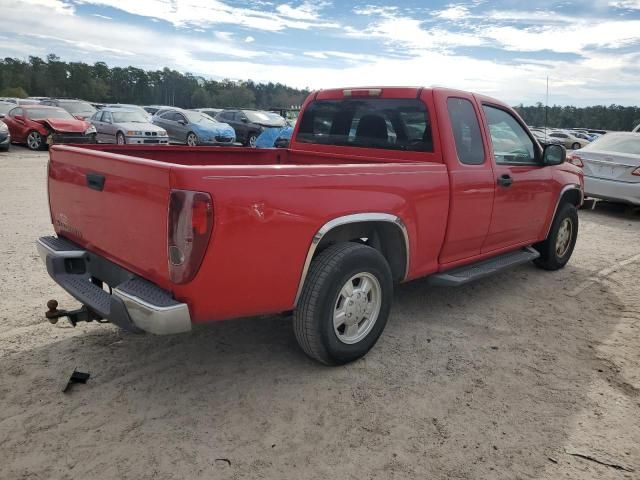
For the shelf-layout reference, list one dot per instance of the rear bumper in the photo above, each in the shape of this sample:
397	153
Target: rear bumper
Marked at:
133	304
612	190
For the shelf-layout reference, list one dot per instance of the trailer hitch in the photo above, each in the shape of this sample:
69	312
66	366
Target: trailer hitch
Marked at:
82	314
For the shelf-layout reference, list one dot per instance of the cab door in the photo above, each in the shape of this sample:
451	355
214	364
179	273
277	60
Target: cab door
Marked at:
522	184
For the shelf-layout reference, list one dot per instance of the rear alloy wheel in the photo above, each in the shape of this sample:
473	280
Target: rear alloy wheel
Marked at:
575	146
345	303
120	139
251	141
192	139
556	250
35	140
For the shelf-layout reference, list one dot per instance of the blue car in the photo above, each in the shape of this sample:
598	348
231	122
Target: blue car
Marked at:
194	128
268	138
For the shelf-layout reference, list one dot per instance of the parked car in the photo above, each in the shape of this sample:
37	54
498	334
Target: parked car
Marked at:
569	140
249	124
78	108
323	229
126	106
546	139
194	128
153	109
5	137
212	112
611	167
19	101
121	126
39	125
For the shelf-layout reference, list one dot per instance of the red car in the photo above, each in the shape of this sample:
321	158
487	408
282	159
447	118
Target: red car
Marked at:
378	186
39	125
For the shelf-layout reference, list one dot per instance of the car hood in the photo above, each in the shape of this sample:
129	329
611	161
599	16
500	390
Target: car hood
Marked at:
144	127
64	124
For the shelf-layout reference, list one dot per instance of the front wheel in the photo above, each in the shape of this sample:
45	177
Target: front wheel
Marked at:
192	139
35	141
120	139
345	303
556	250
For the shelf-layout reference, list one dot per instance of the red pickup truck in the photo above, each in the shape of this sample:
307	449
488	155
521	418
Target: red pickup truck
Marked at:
377	186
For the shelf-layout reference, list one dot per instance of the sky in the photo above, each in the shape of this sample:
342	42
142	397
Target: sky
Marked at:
590	51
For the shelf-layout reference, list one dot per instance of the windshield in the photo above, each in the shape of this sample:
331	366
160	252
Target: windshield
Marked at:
78	108
42	113
617	143
265	117
126	116
197	117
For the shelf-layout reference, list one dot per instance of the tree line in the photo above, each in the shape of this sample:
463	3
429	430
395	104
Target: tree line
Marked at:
52	77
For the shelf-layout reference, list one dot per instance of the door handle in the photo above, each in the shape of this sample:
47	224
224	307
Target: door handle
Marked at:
505	180
95	181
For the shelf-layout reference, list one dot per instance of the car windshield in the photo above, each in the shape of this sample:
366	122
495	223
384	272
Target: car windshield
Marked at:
197	117
128	117
617	143
78	108
42	113
265	117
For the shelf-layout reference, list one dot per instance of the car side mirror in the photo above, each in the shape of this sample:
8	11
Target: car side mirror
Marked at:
281	142
554	154
244	120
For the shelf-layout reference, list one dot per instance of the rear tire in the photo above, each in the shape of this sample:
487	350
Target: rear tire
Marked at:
345	303
575	146
251	140
556	250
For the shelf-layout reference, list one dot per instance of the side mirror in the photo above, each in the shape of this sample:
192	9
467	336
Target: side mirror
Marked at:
244	120
281	142
554	155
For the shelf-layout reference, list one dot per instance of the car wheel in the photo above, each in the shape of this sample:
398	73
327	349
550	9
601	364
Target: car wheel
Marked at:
345	303
556	250
251	141
120	139
575	146
192	139
35	141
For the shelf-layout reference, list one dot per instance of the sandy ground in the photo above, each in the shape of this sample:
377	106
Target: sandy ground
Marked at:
528	375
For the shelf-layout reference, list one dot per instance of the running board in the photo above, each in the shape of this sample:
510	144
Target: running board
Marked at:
475	271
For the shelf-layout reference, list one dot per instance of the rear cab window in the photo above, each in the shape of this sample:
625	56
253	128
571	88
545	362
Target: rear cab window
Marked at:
381	123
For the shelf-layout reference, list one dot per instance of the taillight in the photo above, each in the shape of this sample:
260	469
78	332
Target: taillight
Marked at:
362	92
636	172
190	225
575	160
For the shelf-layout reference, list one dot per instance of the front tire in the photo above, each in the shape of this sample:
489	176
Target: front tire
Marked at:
35	141
556	250
120	139
345	303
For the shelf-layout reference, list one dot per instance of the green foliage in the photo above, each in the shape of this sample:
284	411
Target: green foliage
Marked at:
601	117
13	92
52	77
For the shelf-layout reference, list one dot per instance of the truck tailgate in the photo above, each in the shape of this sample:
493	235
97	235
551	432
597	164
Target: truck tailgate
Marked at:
113	205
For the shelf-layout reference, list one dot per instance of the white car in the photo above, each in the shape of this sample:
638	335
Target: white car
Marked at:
611	166
569	140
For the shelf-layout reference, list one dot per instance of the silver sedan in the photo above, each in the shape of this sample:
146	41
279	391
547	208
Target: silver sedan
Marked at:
117	125
611	167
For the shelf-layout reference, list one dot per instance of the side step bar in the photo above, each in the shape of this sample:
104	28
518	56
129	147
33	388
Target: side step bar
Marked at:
468	273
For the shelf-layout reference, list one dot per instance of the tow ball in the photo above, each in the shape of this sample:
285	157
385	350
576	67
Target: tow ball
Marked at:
82	314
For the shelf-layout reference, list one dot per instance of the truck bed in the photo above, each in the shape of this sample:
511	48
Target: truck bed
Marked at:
267	204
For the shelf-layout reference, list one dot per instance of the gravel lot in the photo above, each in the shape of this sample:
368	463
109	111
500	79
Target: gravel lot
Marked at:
529	375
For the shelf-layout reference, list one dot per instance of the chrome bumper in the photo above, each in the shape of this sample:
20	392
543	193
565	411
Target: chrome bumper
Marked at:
133	304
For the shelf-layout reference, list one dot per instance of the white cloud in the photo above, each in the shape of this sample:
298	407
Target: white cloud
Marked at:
453	12
249	39
630	4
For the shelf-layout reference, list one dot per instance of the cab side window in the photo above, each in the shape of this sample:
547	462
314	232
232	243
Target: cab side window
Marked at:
466	131
510	142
